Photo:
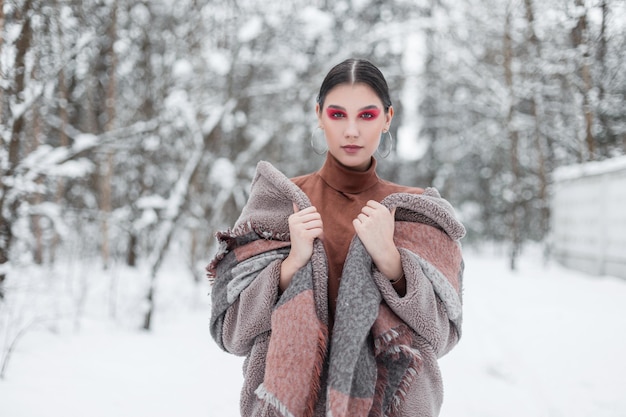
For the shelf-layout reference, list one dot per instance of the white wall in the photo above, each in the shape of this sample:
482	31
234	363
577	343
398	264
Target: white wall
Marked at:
589	217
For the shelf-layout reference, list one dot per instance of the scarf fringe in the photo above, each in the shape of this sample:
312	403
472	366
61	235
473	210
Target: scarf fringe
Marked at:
393	344
227	241
271	400
405	384
278	400
322	346
398	398
390	342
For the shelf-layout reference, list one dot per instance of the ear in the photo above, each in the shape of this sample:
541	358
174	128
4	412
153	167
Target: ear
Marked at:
389	116
318	113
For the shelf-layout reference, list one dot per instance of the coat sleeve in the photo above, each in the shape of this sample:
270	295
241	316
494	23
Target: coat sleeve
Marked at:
250	315
433	268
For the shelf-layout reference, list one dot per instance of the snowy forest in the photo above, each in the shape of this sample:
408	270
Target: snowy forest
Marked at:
130	130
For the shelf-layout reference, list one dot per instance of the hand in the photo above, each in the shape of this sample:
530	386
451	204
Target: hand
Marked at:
304	227
375	226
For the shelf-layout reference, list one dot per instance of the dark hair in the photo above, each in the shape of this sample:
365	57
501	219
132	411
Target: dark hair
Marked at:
352	71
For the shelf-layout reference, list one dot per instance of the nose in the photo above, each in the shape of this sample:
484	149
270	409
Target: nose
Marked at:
352	130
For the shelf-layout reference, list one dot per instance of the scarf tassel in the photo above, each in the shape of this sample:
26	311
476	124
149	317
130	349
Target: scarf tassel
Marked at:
318	369
273	401
394	344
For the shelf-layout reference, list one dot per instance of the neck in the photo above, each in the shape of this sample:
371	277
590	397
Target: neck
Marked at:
346	179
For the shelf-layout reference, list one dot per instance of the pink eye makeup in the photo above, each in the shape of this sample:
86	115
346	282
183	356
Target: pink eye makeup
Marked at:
334	113
369	114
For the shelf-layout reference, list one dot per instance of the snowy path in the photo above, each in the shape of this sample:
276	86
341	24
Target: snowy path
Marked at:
544	342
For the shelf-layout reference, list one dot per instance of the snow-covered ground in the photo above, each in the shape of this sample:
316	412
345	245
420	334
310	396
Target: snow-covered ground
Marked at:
544	341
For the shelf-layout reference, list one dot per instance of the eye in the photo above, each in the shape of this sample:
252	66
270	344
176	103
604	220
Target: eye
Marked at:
335	114
369	114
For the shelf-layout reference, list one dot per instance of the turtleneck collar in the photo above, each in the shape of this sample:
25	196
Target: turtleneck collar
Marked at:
344	179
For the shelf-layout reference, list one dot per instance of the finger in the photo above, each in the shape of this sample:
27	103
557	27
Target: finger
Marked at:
368	211
316	232
313	224
307	218
295	208
310	234
308	210
304	215
374	204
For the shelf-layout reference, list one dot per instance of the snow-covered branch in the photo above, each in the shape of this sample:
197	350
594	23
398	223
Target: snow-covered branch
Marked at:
35	90
179	196
66	161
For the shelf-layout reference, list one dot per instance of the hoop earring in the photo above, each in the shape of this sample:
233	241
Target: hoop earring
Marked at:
318	142
385	145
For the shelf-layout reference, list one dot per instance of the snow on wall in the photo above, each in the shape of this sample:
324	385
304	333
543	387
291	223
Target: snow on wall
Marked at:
589	217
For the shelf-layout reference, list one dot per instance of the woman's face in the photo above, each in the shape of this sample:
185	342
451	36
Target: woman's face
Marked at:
353	118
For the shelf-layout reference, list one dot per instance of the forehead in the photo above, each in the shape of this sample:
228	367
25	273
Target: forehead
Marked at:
352	96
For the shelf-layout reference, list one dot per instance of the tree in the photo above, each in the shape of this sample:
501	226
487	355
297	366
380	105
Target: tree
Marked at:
14	106
149	116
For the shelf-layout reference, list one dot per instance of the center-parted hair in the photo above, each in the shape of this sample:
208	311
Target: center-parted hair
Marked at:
353	71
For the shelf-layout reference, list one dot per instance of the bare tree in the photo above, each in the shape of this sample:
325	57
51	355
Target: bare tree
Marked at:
537	112
14	117
580	41
513	134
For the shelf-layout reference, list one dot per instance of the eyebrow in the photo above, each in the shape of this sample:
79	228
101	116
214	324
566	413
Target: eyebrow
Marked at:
371	106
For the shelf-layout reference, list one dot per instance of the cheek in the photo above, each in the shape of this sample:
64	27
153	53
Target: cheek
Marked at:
332	135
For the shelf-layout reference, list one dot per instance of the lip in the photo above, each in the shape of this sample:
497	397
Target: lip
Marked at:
351	148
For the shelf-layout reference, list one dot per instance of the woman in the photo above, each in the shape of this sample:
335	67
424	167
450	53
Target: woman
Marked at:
341	289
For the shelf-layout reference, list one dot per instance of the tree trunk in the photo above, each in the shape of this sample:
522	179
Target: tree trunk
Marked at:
514	207
1	44
536	102
37	199
581	42
10	206
64	141
106	192
131	253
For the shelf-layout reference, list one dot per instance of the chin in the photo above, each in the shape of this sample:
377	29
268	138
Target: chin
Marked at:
360	164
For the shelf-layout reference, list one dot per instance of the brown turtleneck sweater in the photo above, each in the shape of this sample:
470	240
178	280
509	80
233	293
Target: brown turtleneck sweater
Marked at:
339	194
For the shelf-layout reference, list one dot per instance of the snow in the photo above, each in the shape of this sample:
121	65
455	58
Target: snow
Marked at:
542	341
219	61
148	217
251	29
545	341
224	173
152	202
315	22
140	14
410	145
571	172
72	168
183	69
105	371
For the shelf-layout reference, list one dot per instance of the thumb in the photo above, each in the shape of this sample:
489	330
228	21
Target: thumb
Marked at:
393	212
295	208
